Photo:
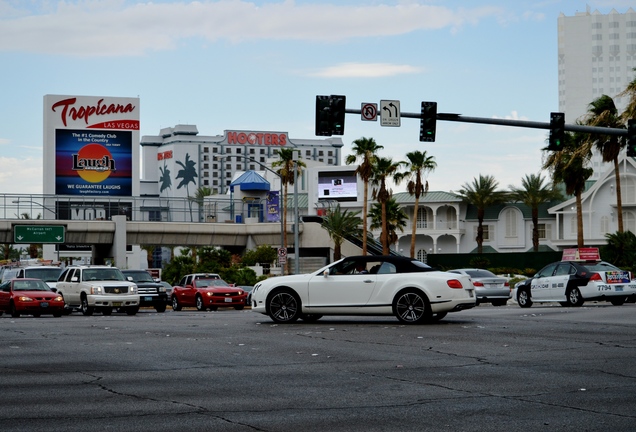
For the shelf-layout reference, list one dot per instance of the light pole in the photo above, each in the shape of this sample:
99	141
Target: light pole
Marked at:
296	257
280	196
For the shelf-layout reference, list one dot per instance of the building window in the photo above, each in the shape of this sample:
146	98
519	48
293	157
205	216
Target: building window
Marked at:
421	218
206	150
228	174
321	153
262	151
238	150
489	233
228	166
329	153
252	151
628	191
421	255
629	222
206	166
205	182
238	167
206	157
263	159
215	150
308	153
545	231
252	167
510	217
604	225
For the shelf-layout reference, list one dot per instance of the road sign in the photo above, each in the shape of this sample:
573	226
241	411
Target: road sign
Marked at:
38	234
369	111
282	255
390	113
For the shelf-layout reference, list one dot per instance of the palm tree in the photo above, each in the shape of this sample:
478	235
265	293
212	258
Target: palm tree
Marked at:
199	198
384	169
396	218
418	164
365	150
602	112
286	166
339	224
533	193
569	166
630	92
187	175
482	193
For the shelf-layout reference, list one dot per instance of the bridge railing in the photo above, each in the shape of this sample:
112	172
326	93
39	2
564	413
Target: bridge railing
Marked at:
216	208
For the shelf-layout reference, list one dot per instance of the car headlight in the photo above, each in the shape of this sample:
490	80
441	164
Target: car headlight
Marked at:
162	289
96	289
58	298
240	292
133	289
209	294
25	299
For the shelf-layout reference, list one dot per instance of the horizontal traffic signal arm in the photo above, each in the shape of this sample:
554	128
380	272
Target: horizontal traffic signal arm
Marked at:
507	122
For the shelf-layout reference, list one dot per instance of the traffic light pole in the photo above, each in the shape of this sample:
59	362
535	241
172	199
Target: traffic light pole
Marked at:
515	123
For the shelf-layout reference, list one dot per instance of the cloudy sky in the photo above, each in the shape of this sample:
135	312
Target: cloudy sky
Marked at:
258	65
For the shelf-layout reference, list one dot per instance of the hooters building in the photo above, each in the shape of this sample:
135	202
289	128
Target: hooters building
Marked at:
214	161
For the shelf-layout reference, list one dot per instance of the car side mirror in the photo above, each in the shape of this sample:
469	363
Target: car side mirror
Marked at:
129	278
74	279
326	273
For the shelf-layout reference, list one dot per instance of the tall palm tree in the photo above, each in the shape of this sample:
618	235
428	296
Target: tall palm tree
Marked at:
286	166
187	174
417	164
533	193
364	150
630	92
602	112
482	193
396	218
199	198
385	169
570	167
339	224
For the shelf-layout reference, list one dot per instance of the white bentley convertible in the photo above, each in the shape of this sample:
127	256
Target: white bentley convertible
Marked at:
365	285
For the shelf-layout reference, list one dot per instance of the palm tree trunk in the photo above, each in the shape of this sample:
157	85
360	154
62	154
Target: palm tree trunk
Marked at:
385	232
365	211
285	223
535	229
579	221
619	199
414	227
480	231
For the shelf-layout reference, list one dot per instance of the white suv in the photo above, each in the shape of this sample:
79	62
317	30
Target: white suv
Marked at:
97	288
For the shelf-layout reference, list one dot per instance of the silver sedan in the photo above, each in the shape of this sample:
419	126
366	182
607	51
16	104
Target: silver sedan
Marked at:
489	287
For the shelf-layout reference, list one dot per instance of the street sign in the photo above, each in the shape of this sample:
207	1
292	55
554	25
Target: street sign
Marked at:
369	111
390	113
38	234
282	255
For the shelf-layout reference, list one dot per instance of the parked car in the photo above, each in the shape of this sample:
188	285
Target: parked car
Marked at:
208	294
572	283
489	287
248	289
168	290
403	287
97	288
30	297
151	293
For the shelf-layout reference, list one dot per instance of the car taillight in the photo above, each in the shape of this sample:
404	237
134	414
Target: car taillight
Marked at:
506	284
454	283
596	277
477	284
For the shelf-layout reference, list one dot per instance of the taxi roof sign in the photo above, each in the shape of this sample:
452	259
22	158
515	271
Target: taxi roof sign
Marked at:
581	254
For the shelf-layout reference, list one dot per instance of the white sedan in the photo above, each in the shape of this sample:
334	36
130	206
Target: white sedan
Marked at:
365	285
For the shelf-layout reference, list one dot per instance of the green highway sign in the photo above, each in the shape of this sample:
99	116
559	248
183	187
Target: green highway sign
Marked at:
38	234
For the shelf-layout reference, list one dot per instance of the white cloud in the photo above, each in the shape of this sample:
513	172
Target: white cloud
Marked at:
365	70
21	175
114	27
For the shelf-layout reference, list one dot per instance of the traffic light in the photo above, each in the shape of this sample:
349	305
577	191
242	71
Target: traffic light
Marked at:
631	138
338	105
557	131
323	116
428	121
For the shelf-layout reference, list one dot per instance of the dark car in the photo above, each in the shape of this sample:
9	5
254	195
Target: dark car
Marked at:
151	293
29	297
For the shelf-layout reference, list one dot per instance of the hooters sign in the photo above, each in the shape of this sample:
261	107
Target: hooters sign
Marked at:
91	145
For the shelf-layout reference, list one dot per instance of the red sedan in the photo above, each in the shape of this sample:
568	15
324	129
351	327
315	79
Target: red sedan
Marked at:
29	297
208	294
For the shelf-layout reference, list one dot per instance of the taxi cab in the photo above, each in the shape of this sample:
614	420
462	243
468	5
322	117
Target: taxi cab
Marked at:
579	277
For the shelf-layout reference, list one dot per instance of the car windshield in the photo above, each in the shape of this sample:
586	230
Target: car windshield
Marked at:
106	274
600	267
480	273
30	285
204	283
142	276
45	274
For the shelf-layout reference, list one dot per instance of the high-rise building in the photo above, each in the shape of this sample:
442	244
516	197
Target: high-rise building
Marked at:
597	56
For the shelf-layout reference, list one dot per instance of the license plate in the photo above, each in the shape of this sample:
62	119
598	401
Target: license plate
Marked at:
44	304
116	304
148	299
228	300
619	289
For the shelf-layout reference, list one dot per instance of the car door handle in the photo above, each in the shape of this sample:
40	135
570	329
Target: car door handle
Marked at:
367	281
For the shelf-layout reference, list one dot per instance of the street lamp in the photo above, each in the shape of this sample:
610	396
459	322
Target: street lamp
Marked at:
280	195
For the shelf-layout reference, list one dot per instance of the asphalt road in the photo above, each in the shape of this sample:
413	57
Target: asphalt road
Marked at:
547	368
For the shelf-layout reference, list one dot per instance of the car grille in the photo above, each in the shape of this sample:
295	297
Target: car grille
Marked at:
227	294
116	290
150	290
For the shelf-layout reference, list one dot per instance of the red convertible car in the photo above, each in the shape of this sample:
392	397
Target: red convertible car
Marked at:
29	297
208	294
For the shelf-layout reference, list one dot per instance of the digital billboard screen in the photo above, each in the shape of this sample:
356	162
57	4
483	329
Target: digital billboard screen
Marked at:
338	185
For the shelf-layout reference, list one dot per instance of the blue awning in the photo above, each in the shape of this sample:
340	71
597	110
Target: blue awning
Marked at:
250	181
